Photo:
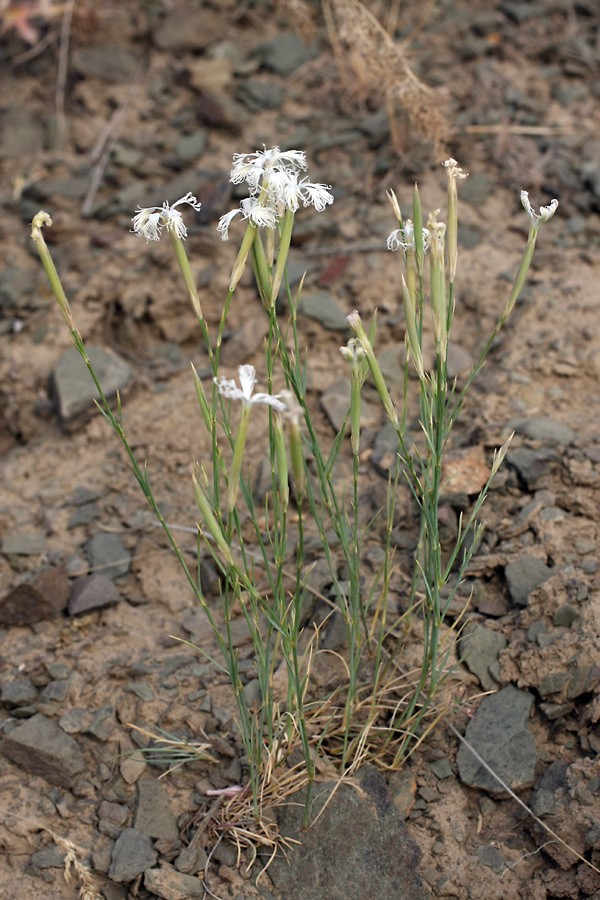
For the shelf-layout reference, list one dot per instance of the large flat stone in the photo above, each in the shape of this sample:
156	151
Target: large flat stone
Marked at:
499	734
41	747
357	849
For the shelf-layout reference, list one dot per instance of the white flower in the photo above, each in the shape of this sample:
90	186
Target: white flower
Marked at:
405	237
250	208
150	221
247	375
545	213
287	192
250	167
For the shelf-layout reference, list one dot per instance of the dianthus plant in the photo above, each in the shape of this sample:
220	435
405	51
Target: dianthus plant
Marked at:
371	711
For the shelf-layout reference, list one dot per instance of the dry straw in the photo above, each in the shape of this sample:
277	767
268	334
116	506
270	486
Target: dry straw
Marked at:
369	60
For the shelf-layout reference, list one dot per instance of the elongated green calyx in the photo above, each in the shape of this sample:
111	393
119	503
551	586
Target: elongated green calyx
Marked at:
210	520
354	354
40	219
410	315
357	328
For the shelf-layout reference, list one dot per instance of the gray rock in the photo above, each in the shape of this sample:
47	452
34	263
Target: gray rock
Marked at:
258	95
24	543
244	342
132	854
441	768
21	132
532	465
185	29
469	236
324	309
83	515
55	691
19	692
15	283
336	403
110	62
192	146
499	734
172	885
107	552
153	814
74	188
476	188
48	858
286	53
103	723
543	429
385	449
141	690
32	601
41	747
492	857
73	387
544	795
75	720
359	846
191	860
479	649
91	592
523	576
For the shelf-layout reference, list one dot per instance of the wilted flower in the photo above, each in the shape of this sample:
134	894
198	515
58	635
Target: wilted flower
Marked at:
545	213
247	375
150	221
453	169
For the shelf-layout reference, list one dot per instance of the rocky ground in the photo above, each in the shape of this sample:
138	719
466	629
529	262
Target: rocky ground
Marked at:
157	99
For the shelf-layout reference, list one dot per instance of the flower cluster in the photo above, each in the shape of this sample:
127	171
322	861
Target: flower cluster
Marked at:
275	182
150	221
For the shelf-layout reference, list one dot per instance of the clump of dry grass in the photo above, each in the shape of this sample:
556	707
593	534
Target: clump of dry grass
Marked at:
76	871
369	59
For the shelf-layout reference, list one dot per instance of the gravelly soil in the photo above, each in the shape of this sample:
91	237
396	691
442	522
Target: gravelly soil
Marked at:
197	82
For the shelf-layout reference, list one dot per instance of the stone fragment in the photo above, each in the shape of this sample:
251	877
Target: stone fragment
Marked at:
499	734
132	854
21	132
532	465
359	846
32	601
103	723
259	95
492	857
41	747
173	885
286	53
335	400
24	543
91	592
324	309
108	553
109	62
19	692
543	429
153	814
480	647
74	389
523	576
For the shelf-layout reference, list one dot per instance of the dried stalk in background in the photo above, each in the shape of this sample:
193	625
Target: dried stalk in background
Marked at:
368	58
